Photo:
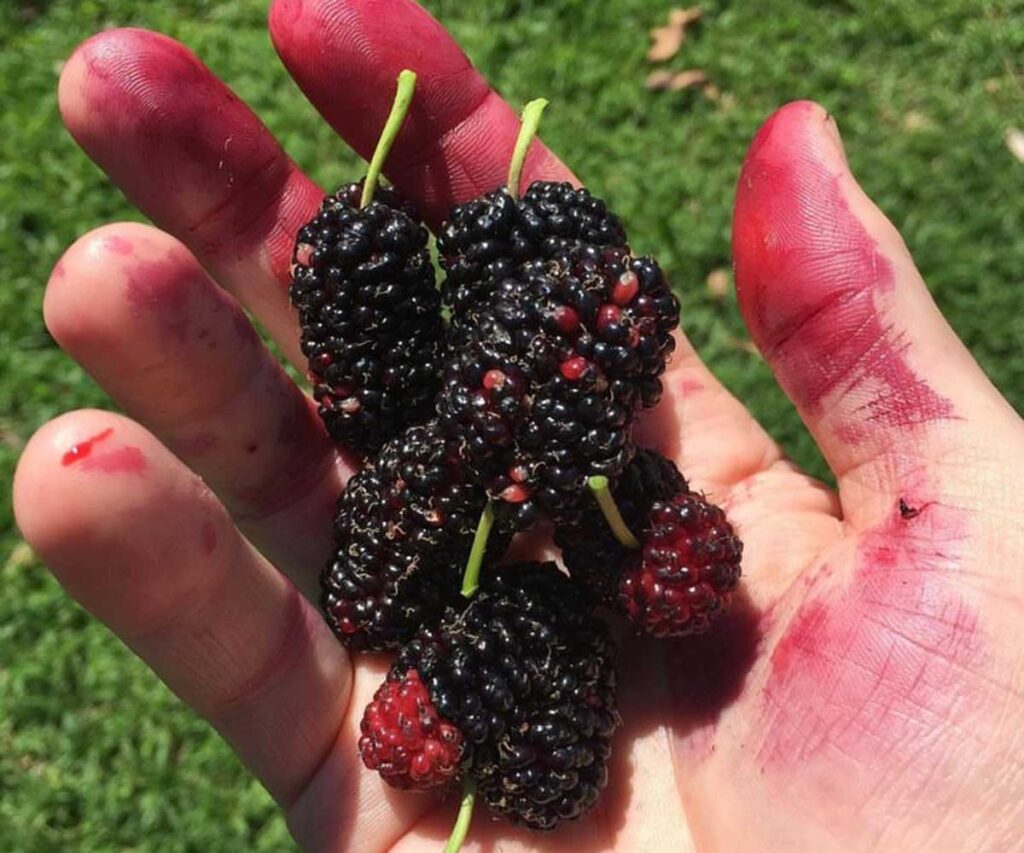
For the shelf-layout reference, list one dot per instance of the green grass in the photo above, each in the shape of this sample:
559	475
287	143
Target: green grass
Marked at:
94	753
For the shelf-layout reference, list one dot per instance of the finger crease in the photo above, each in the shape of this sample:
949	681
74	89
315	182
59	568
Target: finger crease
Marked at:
292	644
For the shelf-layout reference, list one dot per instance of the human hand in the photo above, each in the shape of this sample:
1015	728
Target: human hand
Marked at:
864	691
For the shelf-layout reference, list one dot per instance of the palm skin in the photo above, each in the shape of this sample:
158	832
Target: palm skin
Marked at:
864	692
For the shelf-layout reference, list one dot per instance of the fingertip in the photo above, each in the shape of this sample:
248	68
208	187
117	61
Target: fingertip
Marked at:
71	83
798	123
100	66
804	231
90	283
87	490
50	507
101	255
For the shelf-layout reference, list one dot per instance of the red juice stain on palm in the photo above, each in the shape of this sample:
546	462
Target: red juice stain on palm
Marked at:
686	387
82	449
808	276
869	669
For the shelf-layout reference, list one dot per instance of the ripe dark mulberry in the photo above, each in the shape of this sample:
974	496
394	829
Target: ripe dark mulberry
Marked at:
592	554
689	567
403	533
488	238
525	674
369	313
689	562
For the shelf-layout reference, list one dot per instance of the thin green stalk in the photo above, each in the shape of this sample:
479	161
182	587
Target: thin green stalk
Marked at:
527	131
599	486
403	97
461	828
471	578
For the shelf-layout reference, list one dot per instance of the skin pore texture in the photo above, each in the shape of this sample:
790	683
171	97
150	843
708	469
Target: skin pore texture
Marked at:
864	691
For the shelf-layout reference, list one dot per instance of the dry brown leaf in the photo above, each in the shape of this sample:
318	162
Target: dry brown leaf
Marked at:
690	79
684	17
915	121
20	557
1015	142
659	80
675	81
719	283
666	40
666	43
712	92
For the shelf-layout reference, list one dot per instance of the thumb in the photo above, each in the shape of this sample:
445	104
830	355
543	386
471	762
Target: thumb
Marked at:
834	302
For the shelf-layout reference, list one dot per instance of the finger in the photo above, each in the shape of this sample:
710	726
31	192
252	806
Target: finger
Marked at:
140	542
458	137
196	160
833	300
137	311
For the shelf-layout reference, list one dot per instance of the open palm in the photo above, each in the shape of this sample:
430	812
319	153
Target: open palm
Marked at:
867	688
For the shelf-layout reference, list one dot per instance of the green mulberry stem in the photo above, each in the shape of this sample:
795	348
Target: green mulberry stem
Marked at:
610	510
527	131
471	578
461	828
403	97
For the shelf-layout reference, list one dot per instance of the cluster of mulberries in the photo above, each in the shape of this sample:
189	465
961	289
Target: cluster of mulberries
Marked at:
491	237
557	338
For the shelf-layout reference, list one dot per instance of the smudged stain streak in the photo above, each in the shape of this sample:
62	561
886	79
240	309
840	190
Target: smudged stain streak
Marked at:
82	449
198	444
870	670
809	278
121	460
163	290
